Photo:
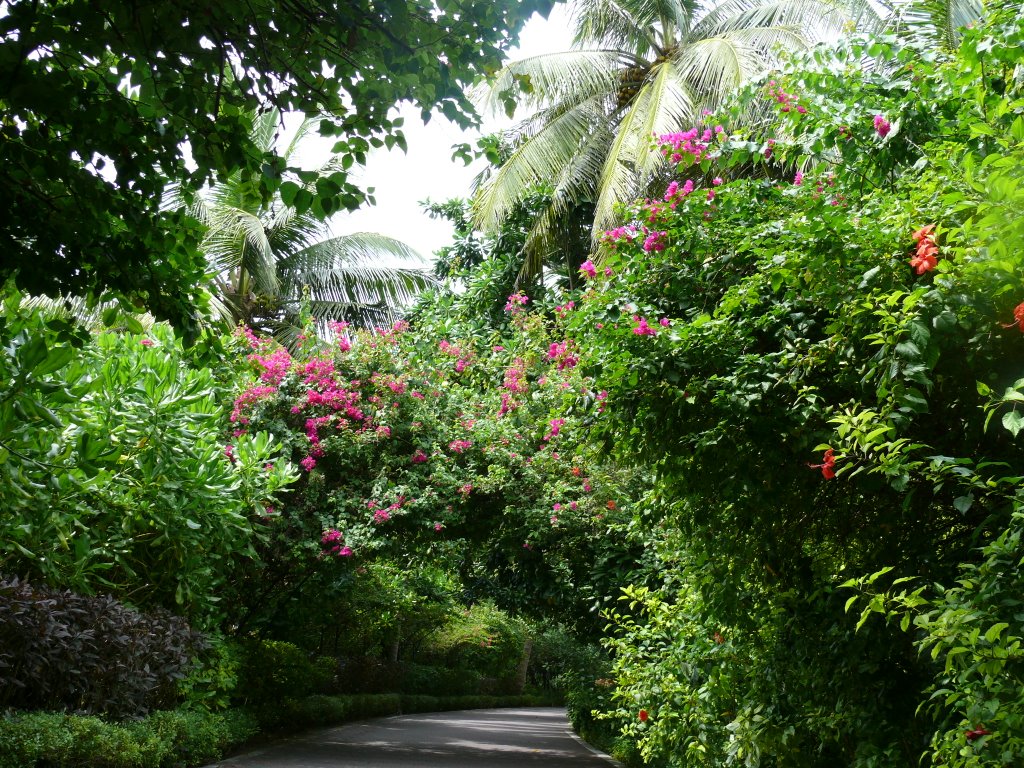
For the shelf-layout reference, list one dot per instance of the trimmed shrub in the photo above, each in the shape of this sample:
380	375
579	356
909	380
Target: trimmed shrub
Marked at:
170	738
68	652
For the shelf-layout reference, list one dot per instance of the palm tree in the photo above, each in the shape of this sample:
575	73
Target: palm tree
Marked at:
270	264
938	23
638	67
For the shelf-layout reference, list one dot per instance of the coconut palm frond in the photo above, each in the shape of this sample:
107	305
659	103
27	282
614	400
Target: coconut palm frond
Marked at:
358	269
552	78
624	25
238	240
715	66
935	22
670	107
621	176
816	18
575	185
79	310
537	160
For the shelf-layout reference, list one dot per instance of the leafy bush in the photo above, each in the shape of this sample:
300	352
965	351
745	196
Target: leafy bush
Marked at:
63	651
170	738
117	476
273	670
212	680
482	638
439	681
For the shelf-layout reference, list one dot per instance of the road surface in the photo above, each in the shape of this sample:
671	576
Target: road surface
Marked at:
479	738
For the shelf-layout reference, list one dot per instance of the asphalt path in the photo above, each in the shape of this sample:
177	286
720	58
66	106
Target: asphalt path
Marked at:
478	738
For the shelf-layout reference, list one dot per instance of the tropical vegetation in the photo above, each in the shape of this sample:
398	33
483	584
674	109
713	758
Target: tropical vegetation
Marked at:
269	261
742	488
637	70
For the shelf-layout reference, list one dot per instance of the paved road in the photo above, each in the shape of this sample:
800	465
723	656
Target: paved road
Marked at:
480	738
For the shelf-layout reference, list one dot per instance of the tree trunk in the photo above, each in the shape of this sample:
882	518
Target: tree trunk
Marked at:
519	684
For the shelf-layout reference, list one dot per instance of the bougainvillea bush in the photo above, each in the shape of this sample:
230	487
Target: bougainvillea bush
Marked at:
463	449
814	335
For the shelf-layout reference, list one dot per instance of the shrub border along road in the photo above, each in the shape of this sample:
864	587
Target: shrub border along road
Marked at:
182	738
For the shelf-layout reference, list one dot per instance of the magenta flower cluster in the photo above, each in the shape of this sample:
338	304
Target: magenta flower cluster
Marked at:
643	328
563	353
693	142
517	302
882	126
247	399
787	101
655	241
334	542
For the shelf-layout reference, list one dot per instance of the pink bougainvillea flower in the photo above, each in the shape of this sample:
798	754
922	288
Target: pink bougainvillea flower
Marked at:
643	328
665	322
588	268
882	126
146	342
827	466
516	302
798	179
345	552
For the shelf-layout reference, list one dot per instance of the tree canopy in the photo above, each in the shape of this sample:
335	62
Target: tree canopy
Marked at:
104	103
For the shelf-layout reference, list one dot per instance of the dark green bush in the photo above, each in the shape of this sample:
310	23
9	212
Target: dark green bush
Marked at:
363	674
272	671
68	652
438	681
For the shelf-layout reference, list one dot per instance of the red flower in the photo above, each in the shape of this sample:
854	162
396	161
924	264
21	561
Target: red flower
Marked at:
827	466
643	716
1018	318
610	505
718	638
923	232
977	733
927	256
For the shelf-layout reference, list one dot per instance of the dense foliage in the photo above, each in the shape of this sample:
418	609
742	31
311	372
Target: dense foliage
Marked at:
117	476
747	485
100	100
808	337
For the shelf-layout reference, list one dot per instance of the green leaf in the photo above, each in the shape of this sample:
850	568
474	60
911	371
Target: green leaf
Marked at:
1014	422
994	631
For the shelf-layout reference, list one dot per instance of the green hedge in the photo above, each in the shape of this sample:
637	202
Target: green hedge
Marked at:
170	738
190	738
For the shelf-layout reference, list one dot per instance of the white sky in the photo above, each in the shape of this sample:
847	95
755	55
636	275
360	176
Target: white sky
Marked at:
402	180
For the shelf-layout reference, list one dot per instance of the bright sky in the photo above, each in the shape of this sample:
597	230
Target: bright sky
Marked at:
427	171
